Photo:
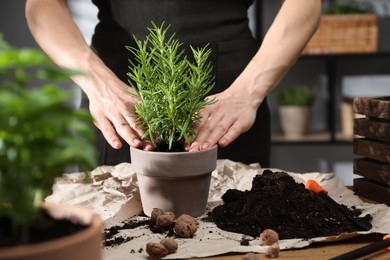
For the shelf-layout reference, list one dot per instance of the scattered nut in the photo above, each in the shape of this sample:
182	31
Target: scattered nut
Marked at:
269	237
156	250
153	216
186	226
170	244
165	220
273	250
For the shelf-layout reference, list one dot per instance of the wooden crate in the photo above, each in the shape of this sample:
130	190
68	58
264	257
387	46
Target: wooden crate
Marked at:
374	129
375	107
372	149
371	190
372	170
374	145
340	34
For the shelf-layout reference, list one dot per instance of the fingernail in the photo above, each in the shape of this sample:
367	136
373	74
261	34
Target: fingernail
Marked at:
223	141
149	147
193	148
205	146
116	144
136	141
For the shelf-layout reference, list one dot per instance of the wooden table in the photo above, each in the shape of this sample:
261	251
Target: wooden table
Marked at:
318	251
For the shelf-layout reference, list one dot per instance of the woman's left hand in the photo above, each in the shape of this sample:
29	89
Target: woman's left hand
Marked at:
223	121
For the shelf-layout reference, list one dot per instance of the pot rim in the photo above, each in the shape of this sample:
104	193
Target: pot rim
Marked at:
95	222
175	164
174	153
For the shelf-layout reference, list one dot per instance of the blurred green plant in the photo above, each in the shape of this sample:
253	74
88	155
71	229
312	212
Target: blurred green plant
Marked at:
40	134
297	96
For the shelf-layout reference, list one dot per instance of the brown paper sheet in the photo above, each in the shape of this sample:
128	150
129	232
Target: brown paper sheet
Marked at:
114	195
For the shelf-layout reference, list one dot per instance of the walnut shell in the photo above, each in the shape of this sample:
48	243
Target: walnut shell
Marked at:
273	250
269	237
153	216
170	244
156	250
185	226
165	220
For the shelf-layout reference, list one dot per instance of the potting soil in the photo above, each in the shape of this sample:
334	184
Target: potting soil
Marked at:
277	202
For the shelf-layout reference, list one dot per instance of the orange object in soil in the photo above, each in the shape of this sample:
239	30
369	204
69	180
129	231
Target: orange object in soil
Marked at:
314	186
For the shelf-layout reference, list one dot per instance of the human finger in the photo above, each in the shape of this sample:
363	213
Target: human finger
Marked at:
212	130
109	133
130	135
232	134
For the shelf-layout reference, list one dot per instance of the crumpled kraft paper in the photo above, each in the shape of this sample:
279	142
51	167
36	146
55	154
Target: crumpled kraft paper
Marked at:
114	195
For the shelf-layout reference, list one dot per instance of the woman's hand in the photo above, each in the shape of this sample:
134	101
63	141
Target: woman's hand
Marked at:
223	121
235	110
110	103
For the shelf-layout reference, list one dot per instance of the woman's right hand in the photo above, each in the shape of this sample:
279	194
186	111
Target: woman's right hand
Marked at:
111	105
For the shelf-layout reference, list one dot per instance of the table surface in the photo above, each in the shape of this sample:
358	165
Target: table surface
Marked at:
324	250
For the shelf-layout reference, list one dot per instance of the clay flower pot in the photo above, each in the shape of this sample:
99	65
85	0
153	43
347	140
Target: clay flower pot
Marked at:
174	181
295	120
82	245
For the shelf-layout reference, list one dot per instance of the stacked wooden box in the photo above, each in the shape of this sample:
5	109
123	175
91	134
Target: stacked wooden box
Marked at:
373	143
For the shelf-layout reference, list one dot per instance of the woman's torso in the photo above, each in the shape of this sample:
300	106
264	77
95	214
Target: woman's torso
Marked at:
223	24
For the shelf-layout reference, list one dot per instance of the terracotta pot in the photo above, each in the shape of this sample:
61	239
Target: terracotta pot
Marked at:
295	120
82	245
178	182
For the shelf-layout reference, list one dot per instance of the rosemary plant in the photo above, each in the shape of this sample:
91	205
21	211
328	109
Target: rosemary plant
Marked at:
171	90
39	135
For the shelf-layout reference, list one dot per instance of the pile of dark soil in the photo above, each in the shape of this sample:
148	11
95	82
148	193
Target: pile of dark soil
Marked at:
44	228
277	202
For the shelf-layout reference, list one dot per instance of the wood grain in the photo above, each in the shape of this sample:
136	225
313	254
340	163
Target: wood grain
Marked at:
373	129
378	107
372	170
372	190
372	149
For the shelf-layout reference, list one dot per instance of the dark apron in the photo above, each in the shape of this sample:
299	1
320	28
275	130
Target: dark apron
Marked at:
223	24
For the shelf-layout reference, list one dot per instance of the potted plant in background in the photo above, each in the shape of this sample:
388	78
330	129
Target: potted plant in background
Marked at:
295	110
171	91
39	136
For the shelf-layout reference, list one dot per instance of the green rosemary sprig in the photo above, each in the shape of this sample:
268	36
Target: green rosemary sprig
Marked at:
171	89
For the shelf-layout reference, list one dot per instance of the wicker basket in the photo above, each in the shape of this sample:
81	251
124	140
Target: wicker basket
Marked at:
350	33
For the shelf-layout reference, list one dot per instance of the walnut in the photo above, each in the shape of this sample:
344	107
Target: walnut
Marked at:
170	244
165	220
186	226
269	237
273	250
156	250
153	216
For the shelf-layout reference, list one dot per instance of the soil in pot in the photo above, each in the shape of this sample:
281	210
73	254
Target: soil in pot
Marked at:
277	202
45	228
